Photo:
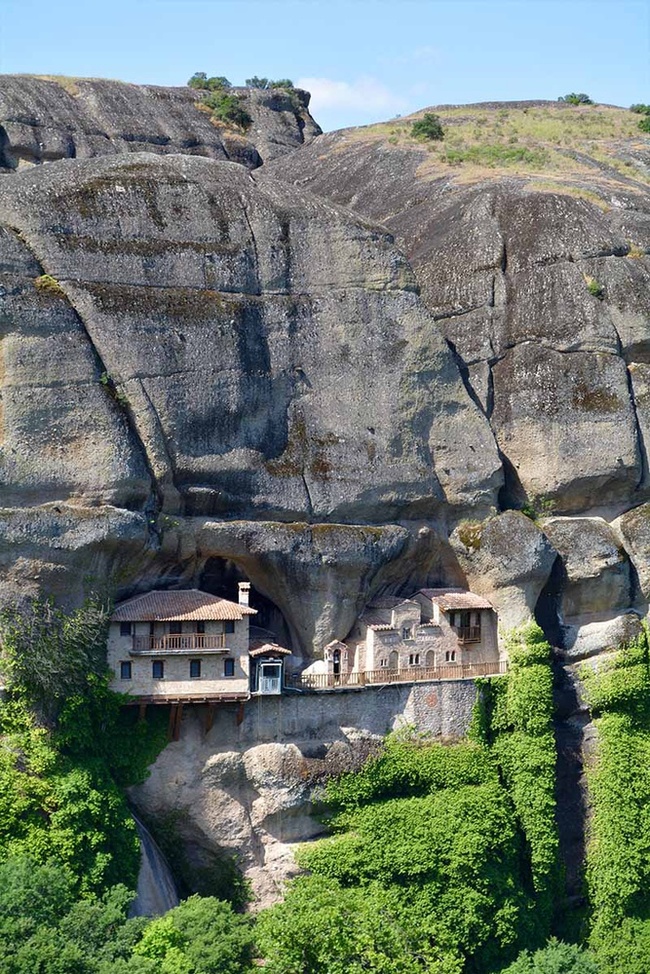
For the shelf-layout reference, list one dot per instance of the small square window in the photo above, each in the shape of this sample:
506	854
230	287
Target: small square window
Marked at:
125	670
229	667
158	669
200	625
406	632
229	625
450	656
175	628
195	668
414	659
125	628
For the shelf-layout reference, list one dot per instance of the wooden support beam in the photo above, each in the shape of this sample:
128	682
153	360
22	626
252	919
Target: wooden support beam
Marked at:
172	722
177	724
208	719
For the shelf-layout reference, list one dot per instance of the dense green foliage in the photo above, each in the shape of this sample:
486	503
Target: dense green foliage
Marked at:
61	780
618	854
426	853
266	83
61	801
201	936
47	653
640	109
227	108
576	99
555	958
201	82
515	721
428	127
44	929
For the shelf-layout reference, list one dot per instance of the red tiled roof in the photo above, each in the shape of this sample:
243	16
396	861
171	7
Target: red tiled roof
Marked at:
178	606
268	649
456	598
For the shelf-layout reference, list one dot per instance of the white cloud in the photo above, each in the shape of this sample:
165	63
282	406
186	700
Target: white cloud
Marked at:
366	94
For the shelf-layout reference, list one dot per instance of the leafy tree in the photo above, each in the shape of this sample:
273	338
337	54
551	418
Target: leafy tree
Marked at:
201	936
265	83
325	928
429	127
200	81
576	99
555	958
640	109
644	124
256	82
48	654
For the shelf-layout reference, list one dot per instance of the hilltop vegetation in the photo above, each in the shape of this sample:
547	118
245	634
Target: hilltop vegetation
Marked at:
557	140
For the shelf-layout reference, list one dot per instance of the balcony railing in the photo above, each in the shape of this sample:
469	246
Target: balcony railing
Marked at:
411	674
468	634
179	643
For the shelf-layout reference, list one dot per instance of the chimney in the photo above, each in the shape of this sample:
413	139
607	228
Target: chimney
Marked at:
244	592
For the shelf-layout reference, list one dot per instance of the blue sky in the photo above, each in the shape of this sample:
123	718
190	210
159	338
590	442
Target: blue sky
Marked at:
363	60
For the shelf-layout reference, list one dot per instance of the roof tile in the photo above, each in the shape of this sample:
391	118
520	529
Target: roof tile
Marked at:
178	606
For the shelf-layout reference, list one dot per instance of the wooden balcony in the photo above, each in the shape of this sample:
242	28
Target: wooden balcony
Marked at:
411	674
191	642
468	634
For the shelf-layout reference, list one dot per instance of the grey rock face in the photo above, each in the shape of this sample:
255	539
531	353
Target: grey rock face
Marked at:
285	365
508	559
43	119
210	347
505	268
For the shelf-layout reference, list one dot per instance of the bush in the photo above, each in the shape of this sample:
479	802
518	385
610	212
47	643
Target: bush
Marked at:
228	108
640	109
429	127
555	958
200	81
576	99
265	83
594	287
644	124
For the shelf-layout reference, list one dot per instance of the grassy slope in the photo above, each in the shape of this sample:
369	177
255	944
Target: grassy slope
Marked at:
586	150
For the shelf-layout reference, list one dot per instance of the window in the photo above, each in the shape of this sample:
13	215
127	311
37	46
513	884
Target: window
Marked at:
229	625
406	632
195	668
414	659
125	670
200	626
157	669
229	667
175	628
383	662
125	628
152	628
450	656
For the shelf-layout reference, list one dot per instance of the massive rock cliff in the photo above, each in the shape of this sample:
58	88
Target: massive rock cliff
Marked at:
48	118
208	371
211	369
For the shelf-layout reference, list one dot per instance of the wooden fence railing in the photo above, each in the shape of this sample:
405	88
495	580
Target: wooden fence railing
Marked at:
178	642
412	674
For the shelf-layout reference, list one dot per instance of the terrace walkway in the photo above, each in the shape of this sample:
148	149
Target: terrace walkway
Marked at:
315	682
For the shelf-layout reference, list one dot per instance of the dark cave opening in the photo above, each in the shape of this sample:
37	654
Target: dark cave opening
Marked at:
220	577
